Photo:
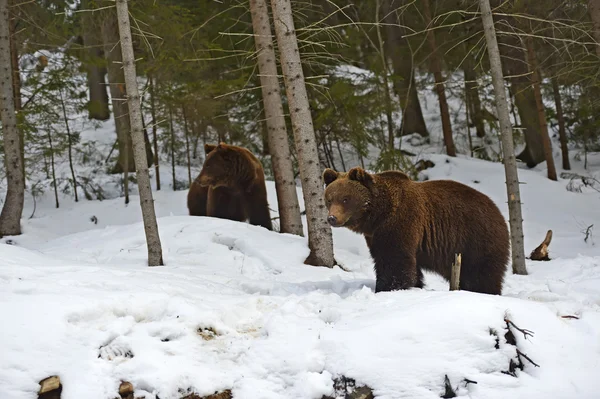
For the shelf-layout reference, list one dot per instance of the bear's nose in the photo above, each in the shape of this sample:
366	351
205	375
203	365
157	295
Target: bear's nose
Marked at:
332	220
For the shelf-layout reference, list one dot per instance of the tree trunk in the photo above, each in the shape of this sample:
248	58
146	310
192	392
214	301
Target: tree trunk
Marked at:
436	68
594	10
51	147
398	51
562	132
116	80
510	163
537	91
515	65
143	176
10	217
16	76
281	161
386	84
187	145
95	65
69	144
471	87
472	96
320	240
172	132
154	131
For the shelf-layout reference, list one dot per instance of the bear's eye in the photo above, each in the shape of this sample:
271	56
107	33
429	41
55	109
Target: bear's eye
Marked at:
345	200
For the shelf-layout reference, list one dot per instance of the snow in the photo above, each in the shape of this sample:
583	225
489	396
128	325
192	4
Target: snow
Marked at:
236	308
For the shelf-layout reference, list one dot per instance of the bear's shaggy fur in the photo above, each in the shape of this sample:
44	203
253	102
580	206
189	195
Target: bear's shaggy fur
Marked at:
231	185
410	226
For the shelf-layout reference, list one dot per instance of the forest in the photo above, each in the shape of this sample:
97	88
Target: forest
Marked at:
108	109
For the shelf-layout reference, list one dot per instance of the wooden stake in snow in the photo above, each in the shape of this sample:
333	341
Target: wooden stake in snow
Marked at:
510	162
541	252
320	240
283	171
455	274
137	137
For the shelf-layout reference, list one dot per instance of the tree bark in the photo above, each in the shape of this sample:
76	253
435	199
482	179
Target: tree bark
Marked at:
116	81
320	240
139	146
16	76
594	10
95	65
436	68
69	144
187	145
386	84
562	132
472	95
279	149
537	91
515	65
510	163
10	217
404	82
154	131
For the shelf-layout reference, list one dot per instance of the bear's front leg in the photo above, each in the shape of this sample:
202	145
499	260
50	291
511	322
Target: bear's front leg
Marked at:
395	265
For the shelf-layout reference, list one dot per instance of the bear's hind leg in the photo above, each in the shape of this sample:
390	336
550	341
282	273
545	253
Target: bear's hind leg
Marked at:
485	277
259	215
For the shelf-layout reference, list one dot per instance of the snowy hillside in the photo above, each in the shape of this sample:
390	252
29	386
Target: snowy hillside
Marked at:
235	308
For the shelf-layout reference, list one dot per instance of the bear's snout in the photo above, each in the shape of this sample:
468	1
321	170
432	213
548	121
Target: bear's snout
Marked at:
332	220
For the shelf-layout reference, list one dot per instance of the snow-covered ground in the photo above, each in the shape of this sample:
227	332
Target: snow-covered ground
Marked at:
235	307
283	329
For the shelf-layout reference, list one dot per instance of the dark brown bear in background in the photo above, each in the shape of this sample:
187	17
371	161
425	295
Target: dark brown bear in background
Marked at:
231	185
410	226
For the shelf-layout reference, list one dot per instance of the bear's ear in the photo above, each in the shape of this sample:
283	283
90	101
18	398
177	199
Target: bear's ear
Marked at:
208	148
361	176
329	176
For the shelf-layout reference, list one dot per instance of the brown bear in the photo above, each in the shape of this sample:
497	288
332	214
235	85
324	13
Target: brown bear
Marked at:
231	185
410	226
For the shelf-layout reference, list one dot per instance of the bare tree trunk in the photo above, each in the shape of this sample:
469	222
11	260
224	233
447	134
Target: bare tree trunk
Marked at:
69	144
398	51
154	131
281	161
566	164
16	75
510	162
537	91
386	84
471	86
95	65
10	217
187	145
516	67
594	10
143	176
172	132
320	240
116	80
436	67
53	167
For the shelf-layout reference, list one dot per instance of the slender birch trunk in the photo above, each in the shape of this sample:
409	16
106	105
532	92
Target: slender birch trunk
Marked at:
320	240
510	162
137	137
283	170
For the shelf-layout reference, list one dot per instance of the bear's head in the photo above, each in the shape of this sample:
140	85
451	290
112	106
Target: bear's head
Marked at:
217	168
347	196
